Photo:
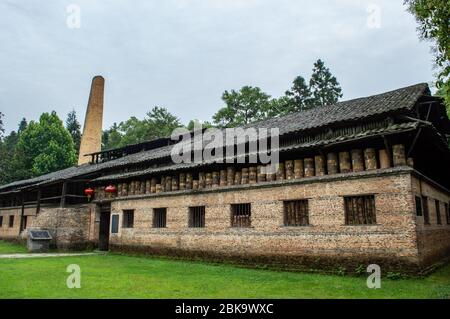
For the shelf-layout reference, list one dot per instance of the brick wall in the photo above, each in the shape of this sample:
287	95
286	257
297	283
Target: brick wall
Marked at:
433	239
13	232
69	227
392	241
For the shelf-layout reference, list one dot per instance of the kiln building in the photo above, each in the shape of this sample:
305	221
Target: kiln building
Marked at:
363	181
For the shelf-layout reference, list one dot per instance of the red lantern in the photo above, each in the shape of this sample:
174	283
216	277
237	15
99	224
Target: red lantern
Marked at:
111	189
89	192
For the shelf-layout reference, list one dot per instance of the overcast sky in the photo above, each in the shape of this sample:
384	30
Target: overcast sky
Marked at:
182	54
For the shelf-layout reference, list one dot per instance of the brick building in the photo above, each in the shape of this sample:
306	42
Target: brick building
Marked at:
363	181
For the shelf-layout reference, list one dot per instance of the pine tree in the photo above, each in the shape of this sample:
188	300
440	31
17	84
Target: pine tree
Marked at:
324	87
299	96
22	126
74	128
2	129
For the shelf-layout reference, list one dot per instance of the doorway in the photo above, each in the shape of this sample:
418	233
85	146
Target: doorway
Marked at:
105	218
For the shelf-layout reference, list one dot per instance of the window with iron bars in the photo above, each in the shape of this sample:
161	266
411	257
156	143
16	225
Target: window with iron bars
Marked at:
296	213
159	218
241	215
128	219
438	212
426	211
419	206
360	210
197	217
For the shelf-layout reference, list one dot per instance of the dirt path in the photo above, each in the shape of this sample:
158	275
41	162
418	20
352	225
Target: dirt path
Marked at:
47	255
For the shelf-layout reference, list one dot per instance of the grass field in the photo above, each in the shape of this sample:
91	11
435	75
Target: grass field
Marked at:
117	276
9	248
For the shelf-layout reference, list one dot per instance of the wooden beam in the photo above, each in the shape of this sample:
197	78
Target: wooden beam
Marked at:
63	195
22	213
387	145
38	207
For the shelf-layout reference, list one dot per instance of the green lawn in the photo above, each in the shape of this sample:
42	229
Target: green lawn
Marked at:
117	276
9	248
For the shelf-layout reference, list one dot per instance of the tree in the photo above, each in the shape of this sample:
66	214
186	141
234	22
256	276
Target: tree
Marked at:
324	87
10	166
45	146
433	17
74	128
197	123
134	131
160	123
300	98
2	129
245	106
22	125
112	138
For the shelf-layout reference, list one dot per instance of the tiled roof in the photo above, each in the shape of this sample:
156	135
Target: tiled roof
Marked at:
395	128
355	110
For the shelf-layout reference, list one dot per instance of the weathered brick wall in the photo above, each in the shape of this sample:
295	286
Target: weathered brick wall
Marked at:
13	232
433	239
392	240
5	230
69	227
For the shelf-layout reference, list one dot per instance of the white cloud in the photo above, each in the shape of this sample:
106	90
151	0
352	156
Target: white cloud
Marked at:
183	54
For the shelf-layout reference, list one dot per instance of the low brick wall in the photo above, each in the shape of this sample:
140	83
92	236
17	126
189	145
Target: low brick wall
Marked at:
391	242
433	240
69	227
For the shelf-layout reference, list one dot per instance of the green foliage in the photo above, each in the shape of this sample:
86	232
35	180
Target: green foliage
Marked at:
159	122
198	123
361	270
245	106
45	146
10	166
299	97
395	276
22	125
251	104
433	17
2	129
74	128
324	87
341	271
112	138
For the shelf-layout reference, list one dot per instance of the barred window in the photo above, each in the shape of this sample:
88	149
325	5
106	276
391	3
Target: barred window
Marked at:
128	219
426	212
159	217
241	215
360	210
438	212
296	213
419	211
11	221
197	217
1	221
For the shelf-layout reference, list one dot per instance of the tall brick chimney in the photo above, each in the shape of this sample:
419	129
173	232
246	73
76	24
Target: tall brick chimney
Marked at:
91	140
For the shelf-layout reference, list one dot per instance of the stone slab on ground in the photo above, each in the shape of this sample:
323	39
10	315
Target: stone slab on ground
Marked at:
20	256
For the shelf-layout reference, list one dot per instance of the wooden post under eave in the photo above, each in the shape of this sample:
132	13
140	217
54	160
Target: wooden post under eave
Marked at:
63	195
22	213
38	205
